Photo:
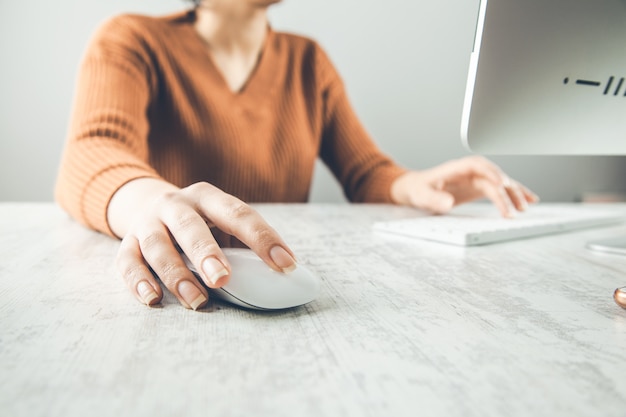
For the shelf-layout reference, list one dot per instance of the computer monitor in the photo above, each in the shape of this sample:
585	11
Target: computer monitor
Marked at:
548	77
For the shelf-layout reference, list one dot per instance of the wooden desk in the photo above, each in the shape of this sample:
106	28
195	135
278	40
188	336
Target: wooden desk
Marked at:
401	328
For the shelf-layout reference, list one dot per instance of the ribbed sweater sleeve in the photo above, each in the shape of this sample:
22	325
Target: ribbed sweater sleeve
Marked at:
106	145
365	173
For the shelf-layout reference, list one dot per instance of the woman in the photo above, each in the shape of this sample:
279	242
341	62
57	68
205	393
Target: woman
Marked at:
178	120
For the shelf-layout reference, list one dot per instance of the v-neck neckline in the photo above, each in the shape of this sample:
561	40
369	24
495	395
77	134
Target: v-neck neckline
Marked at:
259	81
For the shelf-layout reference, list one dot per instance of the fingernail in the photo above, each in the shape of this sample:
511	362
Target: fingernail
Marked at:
146	292
524	205
191	294
213	269
282	259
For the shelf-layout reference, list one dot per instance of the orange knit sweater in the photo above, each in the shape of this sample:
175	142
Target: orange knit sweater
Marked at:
150	103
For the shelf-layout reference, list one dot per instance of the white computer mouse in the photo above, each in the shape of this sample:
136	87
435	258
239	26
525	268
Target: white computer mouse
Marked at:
255	285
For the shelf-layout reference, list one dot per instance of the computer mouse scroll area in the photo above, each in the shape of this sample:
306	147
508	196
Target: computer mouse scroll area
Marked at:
253	284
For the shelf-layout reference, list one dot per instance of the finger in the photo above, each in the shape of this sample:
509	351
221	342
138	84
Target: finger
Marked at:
528	195
192	234
159	252
516	195
519	194
236	218
136	274
497	195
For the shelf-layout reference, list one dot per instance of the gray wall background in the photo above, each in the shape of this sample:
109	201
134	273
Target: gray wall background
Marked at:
404	63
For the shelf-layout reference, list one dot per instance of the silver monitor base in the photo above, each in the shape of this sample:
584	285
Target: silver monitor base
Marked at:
616	245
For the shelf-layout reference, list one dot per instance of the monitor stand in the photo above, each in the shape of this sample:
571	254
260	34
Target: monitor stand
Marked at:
616	245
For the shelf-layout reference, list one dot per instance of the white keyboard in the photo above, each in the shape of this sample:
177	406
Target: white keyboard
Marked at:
482	224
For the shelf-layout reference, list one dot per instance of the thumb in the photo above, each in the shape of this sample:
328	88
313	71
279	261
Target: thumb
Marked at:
436	201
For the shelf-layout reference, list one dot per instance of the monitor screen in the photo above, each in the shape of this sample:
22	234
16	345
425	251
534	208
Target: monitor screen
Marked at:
547	77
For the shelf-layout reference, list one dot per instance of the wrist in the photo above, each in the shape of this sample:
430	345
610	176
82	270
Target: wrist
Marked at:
400	187
133	199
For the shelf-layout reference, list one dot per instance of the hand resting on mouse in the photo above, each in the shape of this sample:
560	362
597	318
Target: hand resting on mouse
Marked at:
167	217
254	285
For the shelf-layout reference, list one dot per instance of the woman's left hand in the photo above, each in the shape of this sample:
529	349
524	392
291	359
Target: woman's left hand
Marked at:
459	181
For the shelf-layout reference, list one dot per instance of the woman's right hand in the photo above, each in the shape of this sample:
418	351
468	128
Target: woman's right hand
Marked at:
181	218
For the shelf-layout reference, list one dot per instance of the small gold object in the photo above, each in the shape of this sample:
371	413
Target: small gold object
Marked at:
620	297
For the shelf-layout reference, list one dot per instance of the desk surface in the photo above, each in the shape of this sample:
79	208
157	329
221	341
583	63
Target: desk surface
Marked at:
401	327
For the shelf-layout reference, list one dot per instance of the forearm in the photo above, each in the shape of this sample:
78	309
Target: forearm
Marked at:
364	171
132	199
107	143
